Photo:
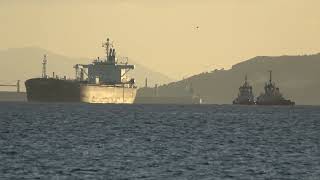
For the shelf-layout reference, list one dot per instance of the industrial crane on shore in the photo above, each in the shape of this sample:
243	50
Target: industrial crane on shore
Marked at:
17	85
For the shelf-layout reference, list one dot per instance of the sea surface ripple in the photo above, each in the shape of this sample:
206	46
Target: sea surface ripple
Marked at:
85	141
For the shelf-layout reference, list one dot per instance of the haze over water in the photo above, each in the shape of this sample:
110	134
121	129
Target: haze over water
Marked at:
74	141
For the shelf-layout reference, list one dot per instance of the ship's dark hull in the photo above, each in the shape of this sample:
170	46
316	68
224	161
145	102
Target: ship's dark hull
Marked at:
52	90
243	102
59	90
276	103
167	100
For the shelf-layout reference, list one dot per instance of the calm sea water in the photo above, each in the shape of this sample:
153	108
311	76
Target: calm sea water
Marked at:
83	141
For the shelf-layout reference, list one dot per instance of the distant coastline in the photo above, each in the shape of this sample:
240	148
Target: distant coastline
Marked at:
297	76
13	96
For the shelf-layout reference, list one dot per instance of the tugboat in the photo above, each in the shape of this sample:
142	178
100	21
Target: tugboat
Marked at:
245	96
272	95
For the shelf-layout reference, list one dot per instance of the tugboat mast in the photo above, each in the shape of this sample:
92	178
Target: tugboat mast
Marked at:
44	66
270	80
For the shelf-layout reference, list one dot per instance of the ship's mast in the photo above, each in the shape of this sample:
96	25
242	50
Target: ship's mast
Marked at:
18	86
107	45
44	66
146	82
270	80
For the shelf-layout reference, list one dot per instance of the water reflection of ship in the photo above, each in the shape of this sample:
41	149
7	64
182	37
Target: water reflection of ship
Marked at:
245	96
272	95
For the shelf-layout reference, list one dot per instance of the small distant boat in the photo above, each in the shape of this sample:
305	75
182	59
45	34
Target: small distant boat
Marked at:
272	95
245	96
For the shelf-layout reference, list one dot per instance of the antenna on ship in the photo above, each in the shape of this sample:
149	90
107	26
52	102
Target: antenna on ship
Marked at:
44	66
107	45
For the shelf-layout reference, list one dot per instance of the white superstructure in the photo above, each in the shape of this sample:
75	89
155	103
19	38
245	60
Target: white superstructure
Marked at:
106	71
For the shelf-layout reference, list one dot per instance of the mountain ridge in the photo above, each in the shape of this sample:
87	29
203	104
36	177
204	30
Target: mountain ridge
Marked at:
296	76
26	62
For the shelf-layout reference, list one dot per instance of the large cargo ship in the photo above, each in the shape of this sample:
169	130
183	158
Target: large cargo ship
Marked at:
103	81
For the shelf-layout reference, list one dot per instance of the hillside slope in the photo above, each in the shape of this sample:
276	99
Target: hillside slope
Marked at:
296	76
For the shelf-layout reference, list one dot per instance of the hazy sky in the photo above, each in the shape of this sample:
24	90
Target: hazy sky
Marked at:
162	34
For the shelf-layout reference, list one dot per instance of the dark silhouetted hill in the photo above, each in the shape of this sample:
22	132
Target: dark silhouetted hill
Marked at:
25	63
298	78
